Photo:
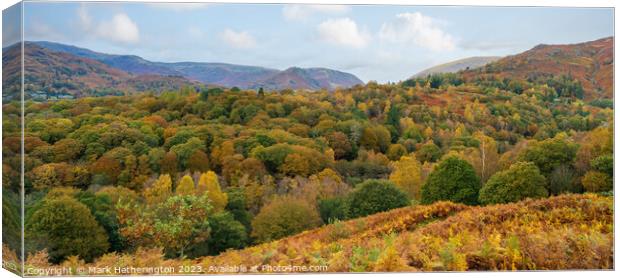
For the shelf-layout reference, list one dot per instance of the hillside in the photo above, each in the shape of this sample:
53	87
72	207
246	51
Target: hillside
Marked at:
50	74
591	63
458	65
221	74
452	237
563	232
311	78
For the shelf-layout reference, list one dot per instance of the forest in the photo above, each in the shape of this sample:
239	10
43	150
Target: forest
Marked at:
377	177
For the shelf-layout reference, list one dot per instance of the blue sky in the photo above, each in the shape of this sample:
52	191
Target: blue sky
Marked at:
383	43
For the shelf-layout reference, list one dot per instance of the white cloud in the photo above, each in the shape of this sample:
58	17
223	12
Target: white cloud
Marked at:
242	40
302	12
418	29
120	28
179	7
343	31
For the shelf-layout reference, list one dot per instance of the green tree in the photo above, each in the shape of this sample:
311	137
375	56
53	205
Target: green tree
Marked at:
429	152
65	227
226	233
374	196
452	180
550	153
284	216
522	180
332	209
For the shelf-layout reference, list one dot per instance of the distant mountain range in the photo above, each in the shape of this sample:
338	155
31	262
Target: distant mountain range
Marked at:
458	65
79	72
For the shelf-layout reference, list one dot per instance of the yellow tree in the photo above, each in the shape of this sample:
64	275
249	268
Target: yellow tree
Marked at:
159	191
489	157
209	183
407	175
186	186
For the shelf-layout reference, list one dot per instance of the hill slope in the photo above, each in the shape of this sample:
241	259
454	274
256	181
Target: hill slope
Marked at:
589	62
54	74
453	237
563	232
222	74
455	66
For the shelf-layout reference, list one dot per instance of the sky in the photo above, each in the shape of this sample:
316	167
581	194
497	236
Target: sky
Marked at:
375	42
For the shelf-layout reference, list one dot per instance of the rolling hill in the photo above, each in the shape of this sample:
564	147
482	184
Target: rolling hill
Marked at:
221	74
458	65
51	74
564	232
591	63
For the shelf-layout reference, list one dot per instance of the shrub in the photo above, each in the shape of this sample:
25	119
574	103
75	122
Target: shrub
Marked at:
284	216
520	181
332	209
65	227
374	196
453	180
595	181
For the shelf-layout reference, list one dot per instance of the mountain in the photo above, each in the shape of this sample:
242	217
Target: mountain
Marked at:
591	63
311	78
52	74
458	65
222	74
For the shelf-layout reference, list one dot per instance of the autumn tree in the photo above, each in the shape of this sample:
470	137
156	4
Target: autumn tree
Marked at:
282	217
209	184
66	227
159	191
407	175
186	186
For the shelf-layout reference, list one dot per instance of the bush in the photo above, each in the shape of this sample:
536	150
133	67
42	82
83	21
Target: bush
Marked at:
595	181
522	180
332	209
429	152
284	216
453	180
65	227
604	163
225	233
374	196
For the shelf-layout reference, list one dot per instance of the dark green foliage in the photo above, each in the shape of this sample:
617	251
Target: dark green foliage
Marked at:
332	209
226	233
522	180
453	180
65	227
103	210
550	153
604	163
237	207
11	220
374	196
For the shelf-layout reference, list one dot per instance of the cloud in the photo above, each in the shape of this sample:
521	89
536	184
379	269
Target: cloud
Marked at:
37	30
241	40
418	29
179	7
343	32
120	28
303	12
